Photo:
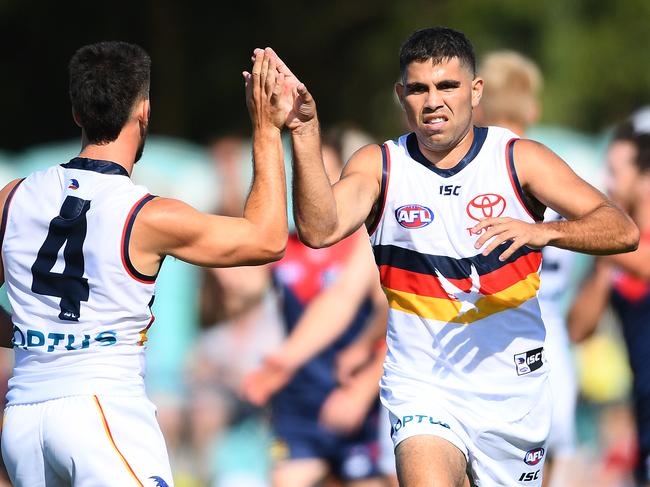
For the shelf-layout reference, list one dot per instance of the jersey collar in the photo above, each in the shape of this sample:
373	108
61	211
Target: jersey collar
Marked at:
480	133
96	165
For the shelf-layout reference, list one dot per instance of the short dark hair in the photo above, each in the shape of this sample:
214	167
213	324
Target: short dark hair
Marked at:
106	80
438	44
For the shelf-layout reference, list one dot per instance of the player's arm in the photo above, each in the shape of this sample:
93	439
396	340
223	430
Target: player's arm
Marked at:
347	406
326	317
593	225
325	213
371	340
171	227
6	326
636	263
590	302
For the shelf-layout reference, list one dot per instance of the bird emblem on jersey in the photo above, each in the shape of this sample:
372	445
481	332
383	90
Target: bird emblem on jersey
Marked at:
467	299
74	184
159	481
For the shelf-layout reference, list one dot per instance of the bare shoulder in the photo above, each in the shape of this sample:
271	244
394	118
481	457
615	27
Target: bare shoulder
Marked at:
367	159
533	157
4	193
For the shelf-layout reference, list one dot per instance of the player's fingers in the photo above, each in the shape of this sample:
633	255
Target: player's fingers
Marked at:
488	233
278	88
498	240
281	66
516	245
264	70
271	74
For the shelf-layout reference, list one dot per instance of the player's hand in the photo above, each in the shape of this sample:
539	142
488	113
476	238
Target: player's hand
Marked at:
350	360
264	91
496	231
343	411
296	100
261	384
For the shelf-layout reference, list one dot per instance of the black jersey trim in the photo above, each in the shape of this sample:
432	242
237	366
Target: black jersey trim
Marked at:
126	237
480	134
521	196
383	190
96	165
5	211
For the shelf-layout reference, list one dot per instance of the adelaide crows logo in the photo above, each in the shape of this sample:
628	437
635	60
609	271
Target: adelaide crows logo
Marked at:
159	481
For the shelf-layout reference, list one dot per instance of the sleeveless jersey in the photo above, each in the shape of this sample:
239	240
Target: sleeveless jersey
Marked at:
301	275
80	309
464	326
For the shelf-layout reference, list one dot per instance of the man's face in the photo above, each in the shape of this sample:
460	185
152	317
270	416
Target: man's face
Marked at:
622	173
438	100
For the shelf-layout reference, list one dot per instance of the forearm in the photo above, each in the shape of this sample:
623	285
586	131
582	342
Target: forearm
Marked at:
314	205
366	381
605	230
589	305
266	205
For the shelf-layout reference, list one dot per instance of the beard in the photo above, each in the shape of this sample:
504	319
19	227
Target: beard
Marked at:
144	130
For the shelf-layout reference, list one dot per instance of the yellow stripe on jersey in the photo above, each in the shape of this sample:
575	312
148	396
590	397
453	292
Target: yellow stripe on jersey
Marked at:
110	438
451	311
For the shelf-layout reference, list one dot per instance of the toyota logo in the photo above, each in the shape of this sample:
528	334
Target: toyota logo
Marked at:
489	205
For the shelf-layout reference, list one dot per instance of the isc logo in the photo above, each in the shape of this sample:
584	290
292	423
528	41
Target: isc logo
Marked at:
413	216
533	457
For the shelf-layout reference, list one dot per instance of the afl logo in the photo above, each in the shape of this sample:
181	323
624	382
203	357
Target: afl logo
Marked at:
489	205
413	216
533	457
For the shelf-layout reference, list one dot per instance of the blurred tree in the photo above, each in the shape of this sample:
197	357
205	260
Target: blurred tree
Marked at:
591	53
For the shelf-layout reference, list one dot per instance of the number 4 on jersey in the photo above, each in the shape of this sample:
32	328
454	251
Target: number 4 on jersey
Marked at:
69	229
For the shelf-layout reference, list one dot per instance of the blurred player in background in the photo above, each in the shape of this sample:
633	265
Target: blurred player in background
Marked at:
77	412
324	422
511	100
624	280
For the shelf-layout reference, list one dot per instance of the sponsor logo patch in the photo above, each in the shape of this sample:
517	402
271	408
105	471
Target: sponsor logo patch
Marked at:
534	456
488	205
74	184
413	216
528	361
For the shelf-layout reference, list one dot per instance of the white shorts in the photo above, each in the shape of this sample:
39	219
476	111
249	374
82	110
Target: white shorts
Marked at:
85	441
499	453
386	447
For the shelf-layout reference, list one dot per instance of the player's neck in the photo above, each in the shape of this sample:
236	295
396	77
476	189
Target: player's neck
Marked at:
120	151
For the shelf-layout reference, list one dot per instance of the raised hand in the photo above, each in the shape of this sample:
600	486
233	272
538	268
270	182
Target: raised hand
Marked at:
264	89
295	100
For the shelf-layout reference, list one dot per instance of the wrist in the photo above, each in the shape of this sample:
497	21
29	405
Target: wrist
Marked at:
266	132
307	129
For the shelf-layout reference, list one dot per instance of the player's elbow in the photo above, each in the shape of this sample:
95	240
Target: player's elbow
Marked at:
315	237
631	238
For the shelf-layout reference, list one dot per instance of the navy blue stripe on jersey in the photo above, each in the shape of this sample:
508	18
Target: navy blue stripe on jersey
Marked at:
5	211
127	237
523	199
480	134
381	200
96	165
448	267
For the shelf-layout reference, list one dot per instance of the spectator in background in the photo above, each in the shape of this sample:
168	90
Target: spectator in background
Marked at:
511	100
624	281
321	426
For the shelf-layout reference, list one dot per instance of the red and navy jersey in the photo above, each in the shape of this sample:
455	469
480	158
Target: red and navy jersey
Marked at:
631	302
300	276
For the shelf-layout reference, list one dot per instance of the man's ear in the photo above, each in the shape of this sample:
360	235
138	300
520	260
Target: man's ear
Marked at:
477	91
143	110
399	92
75	117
